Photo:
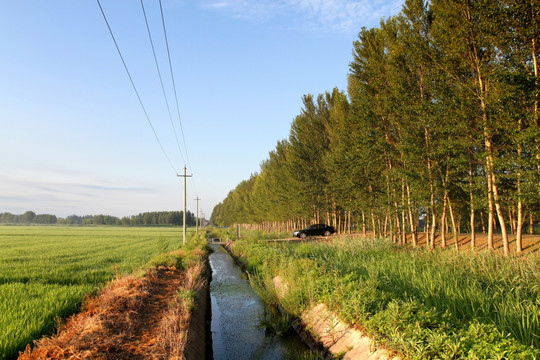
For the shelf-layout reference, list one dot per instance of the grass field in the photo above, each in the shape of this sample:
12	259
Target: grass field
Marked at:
45	272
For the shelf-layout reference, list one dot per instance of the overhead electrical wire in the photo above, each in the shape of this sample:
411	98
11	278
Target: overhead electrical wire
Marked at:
161	81
162	86
175	92
173	82
135	88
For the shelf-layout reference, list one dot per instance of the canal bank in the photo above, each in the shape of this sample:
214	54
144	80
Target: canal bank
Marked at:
237	316
320	328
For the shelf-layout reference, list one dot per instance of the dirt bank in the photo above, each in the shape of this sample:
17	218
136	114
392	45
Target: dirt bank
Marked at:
329	336
199	339
136	318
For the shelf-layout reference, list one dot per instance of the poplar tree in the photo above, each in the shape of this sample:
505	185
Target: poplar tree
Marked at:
308	144
470	60
439	123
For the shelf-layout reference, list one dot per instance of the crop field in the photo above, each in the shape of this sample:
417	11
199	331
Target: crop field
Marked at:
423	304
45	272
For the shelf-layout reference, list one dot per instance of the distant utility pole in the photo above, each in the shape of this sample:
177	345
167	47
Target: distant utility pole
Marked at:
197	216
185	231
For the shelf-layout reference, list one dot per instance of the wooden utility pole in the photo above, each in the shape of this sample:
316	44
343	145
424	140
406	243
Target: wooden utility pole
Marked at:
184	223
197	215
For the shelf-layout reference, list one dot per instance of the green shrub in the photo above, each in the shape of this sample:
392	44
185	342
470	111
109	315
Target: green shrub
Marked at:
176	259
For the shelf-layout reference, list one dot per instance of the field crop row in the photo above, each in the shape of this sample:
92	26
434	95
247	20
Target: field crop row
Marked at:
45	272
422	304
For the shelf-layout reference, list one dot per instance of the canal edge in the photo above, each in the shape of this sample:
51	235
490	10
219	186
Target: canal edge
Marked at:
317	328
297	324
199	335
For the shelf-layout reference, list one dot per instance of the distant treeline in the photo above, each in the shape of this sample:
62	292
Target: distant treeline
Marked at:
147	218
28	217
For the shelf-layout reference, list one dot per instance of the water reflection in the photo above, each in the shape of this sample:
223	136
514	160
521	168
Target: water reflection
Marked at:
236	312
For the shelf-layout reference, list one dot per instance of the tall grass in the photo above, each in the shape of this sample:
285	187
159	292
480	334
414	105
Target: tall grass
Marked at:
423	304
45	272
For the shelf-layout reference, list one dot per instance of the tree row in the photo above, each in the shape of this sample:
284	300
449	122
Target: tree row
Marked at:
438	131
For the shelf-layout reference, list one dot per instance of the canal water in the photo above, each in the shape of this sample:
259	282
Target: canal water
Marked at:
236	314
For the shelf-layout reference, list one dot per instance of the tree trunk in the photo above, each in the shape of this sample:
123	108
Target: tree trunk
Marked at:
471	195
512	221
403	216
519	228
506	247
531	222
443	220
339	224
493	194
481	94
492	180
349	222
454	226
397	227
427	227
483	222
536	83
411	219
491	211
519	225
388	220
431	188
433	227
373	224
364	223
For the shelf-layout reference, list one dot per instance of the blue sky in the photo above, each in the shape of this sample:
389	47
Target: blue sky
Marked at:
74	138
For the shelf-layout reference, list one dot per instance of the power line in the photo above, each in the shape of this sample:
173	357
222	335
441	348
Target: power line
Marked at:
174	88
173	82
161	80
134	87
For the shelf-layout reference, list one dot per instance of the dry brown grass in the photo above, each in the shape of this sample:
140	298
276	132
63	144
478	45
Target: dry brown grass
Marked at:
132	318
171	336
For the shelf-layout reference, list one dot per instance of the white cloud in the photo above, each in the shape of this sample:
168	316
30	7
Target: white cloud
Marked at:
83	196
342	16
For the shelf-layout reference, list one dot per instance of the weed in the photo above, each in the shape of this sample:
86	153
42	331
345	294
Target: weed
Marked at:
275	324
187	298
420	303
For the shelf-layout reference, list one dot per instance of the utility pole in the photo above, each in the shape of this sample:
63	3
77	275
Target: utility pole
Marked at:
197	216
185	231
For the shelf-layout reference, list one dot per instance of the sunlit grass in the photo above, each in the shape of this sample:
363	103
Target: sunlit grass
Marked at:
45	272
421	303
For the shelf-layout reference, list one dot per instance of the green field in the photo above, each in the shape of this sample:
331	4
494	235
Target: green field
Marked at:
45	271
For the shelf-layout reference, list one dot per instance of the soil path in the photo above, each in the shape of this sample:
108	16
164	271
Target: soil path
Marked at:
531	243
124	322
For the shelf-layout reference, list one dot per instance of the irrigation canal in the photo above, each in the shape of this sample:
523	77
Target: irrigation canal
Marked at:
236	315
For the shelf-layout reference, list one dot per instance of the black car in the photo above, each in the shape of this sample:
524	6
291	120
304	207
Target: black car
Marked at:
317	229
